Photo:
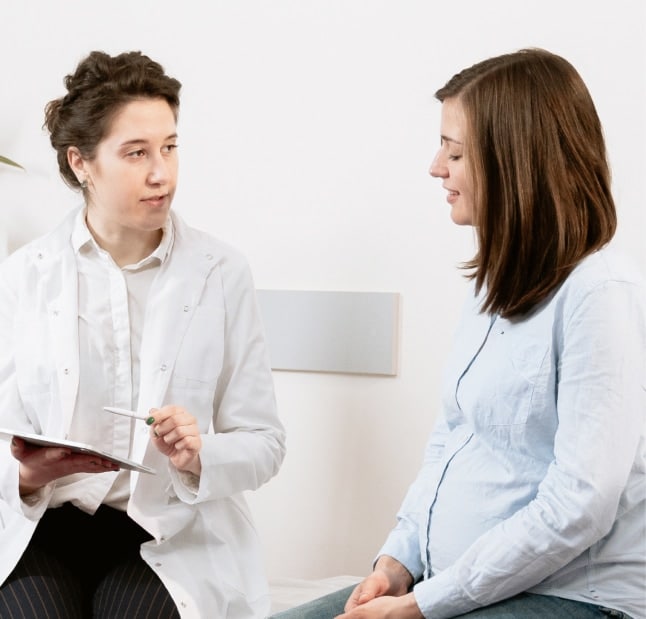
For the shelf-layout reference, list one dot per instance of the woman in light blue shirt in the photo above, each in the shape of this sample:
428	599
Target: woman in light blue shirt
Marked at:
531	498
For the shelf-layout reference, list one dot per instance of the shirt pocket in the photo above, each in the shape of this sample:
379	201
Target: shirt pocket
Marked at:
515	381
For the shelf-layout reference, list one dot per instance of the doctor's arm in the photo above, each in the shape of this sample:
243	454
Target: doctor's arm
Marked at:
247	445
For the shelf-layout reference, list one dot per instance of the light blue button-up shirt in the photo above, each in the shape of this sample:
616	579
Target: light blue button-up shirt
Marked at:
535	475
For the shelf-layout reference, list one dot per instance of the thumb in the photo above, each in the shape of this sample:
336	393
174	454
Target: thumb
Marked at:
370	589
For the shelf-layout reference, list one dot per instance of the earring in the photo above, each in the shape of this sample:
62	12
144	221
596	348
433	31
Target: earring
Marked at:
84	184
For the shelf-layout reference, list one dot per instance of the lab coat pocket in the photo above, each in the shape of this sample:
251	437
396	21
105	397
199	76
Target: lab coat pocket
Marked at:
199	359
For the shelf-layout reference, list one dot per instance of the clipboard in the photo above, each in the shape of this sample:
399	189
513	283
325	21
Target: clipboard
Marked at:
84	448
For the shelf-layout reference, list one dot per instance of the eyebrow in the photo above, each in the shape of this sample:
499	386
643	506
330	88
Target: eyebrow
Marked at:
445	138
135	141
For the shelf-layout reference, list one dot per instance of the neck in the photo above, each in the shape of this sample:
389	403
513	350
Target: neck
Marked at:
127	246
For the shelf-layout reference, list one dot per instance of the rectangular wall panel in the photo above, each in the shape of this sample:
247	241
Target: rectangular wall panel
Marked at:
319	331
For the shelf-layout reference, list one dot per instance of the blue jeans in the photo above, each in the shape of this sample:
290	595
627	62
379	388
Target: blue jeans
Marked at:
523	606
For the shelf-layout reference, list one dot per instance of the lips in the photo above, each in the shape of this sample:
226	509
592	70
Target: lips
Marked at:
452	196
155	200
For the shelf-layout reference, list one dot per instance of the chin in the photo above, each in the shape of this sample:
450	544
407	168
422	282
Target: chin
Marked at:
461	219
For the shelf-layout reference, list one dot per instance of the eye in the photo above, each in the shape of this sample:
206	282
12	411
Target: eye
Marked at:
169	148
136	154
455	157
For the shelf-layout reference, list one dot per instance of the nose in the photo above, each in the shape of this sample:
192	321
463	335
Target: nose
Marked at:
438	167
160	171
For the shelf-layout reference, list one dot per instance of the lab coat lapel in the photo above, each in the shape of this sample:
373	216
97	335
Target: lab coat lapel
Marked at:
174	295
59	283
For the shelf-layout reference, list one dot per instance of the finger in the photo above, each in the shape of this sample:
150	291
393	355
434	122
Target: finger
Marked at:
56	453
365	592
17	446
353	600
188	443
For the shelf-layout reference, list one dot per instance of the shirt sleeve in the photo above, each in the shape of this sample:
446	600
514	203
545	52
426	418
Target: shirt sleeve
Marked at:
600	407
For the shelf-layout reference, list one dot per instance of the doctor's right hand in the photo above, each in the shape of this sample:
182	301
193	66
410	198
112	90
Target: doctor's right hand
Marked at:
42	465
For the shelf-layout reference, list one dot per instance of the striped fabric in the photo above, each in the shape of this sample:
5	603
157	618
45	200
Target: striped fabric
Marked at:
79	566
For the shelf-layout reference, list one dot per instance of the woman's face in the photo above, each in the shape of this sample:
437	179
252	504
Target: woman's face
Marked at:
132	179
449	164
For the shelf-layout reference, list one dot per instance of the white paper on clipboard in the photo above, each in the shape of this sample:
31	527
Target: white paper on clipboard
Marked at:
46	441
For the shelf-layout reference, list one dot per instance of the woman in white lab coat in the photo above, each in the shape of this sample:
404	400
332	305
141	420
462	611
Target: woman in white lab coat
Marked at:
124	305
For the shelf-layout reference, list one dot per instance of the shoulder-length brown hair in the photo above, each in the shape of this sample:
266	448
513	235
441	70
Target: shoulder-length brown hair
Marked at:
536	153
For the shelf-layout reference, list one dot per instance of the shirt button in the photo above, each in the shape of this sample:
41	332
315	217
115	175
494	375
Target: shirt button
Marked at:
209	256
66	371
186	308
158	564
163	367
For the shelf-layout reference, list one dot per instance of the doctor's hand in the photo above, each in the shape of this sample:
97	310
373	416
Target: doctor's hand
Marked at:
176	434
42	465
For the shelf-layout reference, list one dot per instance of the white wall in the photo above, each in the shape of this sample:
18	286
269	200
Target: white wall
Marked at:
306	131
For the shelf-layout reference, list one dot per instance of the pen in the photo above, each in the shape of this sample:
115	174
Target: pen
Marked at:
126	413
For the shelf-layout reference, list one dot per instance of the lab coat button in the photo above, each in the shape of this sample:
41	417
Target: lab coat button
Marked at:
209	256
158	564
66	371
163	367
186	308
39	256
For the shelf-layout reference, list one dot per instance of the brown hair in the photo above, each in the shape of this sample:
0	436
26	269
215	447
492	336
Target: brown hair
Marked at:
100	86
536	153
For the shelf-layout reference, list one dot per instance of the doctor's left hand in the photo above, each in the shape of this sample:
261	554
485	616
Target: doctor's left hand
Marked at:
176	434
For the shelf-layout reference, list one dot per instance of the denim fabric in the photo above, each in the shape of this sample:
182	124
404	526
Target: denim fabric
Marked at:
324	607
523	606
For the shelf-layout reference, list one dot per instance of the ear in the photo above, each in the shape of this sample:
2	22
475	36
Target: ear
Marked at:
77	163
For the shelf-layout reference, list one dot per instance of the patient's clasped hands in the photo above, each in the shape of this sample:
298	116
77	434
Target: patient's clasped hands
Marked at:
383	594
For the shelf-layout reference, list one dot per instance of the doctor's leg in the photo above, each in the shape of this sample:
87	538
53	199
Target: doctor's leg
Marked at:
40	586
132	590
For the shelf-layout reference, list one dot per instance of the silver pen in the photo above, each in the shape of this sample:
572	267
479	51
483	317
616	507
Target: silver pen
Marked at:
127	413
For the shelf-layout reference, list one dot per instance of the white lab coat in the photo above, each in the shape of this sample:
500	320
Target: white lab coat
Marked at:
202	348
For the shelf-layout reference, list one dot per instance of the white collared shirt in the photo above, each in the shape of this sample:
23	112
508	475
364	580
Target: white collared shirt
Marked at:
112	305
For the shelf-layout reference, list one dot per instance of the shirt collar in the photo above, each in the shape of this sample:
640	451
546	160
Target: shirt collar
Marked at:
82	238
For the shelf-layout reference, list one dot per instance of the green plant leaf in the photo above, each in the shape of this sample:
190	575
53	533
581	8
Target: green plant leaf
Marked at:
10	162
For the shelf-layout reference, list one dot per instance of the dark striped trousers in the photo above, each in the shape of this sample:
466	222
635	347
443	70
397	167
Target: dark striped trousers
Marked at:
81	566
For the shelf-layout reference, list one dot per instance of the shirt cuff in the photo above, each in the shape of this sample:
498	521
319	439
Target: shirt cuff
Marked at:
441	598
190	481
34	504
185	484
404	547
